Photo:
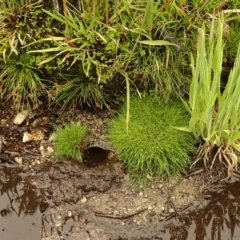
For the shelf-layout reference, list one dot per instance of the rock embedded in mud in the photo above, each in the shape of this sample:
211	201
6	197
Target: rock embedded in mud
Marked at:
20	117
35	135
18	160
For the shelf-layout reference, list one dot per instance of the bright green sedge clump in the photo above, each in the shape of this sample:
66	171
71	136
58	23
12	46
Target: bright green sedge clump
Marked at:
153	146
68	139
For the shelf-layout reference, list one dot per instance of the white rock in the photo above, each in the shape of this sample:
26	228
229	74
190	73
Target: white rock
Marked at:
18	160
35	135
171	210
20	117
50	149
150	207
58	223
41	148
69	213
84	199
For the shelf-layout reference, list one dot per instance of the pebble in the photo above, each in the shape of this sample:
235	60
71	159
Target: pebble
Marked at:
50	149
25	168
171	210
58	223
35	135
20	117
3	122
18	160
41	148
84	199
150	207
69	213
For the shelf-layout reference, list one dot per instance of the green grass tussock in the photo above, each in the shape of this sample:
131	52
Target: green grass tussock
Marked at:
68	139
153	146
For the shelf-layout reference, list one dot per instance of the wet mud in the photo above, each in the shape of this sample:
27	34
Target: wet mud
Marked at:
57	201
46	200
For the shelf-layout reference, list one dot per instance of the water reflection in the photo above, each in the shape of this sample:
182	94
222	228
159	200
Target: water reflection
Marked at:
23	197
26	206
19	206
218	220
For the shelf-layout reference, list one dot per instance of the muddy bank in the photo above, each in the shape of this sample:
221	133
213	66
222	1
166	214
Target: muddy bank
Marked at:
43	199
70	201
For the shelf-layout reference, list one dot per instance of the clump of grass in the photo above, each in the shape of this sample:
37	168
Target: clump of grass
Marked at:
80	91
21	82
68	139
214	113
153	146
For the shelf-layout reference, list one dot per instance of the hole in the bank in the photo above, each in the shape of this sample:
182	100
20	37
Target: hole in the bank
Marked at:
94	156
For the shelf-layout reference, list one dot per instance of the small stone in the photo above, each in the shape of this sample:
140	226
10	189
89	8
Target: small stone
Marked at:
69	213
150	207
50	149
25	168
41	148
84	199
20	117
115	213
58	223
35	135
171	210
40	121
37	161
3	122
18	160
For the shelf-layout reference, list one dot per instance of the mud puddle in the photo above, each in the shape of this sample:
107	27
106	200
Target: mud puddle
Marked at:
67	200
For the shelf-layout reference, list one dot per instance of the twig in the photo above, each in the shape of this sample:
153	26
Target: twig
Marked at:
120	216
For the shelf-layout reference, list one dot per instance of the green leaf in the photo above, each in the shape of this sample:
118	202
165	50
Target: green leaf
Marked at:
236	146
158	43
184	129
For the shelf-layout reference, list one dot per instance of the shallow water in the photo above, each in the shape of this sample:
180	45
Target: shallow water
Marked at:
46	203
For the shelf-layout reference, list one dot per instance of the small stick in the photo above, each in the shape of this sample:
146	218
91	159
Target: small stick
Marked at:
1	142
195	172
120	216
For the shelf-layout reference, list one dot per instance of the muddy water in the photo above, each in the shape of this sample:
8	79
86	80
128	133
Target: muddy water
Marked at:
51	201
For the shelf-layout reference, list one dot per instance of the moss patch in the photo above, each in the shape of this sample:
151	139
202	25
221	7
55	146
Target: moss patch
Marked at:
152	147
68	139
